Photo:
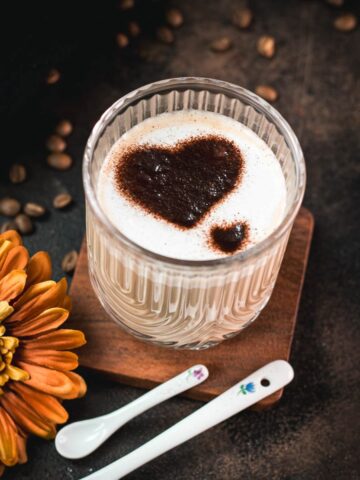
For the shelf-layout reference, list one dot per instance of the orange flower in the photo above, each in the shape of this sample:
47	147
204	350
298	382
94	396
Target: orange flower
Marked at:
35	361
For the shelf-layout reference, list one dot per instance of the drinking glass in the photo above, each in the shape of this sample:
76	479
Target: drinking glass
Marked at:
186	303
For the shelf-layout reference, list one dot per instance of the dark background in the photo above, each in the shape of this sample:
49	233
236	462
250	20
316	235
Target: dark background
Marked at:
313	432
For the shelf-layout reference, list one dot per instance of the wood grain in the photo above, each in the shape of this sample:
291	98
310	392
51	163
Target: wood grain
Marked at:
115	353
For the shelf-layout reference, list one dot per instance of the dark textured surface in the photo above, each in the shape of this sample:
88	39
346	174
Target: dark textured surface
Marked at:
313	433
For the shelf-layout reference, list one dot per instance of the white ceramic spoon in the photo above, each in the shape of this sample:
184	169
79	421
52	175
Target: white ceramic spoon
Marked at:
78	439
252	389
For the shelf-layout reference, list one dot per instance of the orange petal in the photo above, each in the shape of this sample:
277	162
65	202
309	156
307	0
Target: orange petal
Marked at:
49	358
80	387
47	320
39	268
8	446
48	381
16	259
5	248
21	445
67	303
46	406
12	236
34	292
12	285
37	303
63	339
26	417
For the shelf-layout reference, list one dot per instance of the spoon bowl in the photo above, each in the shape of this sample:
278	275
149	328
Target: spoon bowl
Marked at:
79	439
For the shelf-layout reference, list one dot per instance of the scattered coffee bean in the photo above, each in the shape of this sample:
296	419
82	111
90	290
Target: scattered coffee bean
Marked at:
336	3
9	225
17	173
266	46
9	207
165	35
267	93
69	261
134	29
53	76
174	17
345	22
126	4
55	144
64	128
221	44
24	223
122	40
33	209
62	200
59	161
242	18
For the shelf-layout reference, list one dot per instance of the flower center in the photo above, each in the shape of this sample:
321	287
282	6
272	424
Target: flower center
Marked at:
8	346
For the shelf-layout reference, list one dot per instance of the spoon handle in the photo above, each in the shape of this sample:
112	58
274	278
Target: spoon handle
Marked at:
184	381
252	389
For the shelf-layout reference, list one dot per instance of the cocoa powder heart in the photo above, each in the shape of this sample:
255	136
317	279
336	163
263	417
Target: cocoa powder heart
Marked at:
182	183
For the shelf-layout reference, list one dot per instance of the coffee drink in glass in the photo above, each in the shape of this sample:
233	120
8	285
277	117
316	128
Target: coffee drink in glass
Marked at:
192	187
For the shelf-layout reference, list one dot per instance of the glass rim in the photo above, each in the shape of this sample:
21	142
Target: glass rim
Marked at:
180	82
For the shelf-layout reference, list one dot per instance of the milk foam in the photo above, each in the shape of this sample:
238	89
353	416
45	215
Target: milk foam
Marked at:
259	199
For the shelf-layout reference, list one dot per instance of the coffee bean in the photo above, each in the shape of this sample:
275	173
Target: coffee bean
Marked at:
345	22
62	200
64	128
59	161
34	209
9	207
122	40
9	225
174	17
24	223
267	93
336	3
69	261
53	76
134	29
242	18
126	4
55	144
17	173
266	46
165	35
221	44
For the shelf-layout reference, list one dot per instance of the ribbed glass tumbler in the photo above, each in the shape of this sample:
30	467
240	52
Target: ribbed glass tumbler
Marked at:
176	303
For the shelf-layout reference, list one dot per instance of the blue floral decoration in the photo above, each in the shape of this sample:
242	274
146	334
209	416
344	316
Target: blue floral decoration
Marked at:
246	388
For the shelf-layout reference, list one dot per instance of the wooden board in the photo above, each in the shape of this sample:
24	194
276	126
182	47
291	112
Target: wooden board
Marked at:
117	354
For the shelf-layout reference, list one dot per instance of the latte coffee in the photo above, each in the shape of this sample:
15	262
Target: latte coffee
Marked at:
192	185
